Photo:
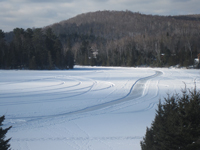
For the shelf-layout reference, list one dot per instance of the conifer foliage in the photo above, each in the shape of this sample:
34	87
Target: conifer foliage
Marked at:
4	144
33	49
176	125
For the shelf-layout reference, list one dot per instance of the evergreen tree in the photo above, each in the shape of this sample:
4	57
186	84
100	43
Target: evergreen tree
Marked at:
40	50
32	63
83	56
3	49
70	59
4	144
19	47
176	124
50	42
50	64
58	57
148	140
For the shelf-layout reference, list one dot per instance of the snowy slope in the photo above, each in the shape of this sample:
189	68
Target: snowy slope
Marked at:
88	108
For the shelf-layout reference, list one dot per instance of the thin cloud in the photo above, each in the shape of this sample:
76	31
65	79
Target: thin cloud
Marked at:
50	1
40	13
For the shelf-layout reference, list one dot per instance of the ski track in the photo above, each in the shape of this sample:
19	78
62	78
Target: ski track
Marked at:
48	91
76	139
40	89
145	97
135	92
77	91
57	88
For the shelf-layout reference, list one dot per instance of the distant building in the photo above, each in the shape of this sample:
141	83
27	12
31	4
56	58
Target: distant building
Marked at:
198	56
196	61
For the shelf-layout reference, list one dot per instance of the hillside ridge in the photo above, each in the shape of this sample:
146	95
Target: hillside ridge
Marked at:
118	24
107	38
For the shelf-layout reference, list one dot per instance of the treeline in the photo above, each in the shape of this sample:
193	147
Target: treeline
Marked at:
176	125
33	49
124	38
107	38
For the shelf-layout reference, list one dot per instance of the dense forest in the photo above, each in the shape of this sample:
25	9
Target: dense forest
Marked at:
107	38
33	49
124	38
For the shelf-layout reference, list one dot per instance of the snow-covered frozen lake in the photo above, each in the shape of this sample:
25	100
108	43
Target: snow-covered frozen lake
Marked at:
88	108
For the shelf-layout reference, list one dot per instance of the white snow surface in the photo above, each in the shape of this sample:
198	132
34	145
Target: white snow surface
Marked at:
87	108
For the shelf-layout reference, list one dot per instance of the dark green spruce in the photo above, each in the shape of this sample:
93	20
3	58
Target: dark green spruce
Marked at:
33	49
4	144
176	125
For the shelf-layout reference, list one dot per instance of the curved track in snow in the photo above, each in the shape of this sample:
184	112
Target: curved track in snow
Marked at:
136	91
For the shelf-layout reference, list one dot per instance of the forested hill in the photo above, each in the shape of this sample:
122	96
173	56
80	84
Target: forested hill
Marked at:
124	38
118	24
107	38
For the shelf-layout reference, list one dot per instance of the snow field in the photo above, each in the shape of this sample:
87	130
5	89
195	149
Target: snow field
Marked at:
88	108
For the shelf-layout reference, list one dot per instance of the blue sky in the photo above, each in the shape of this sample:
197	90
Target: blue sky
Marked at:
40	13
